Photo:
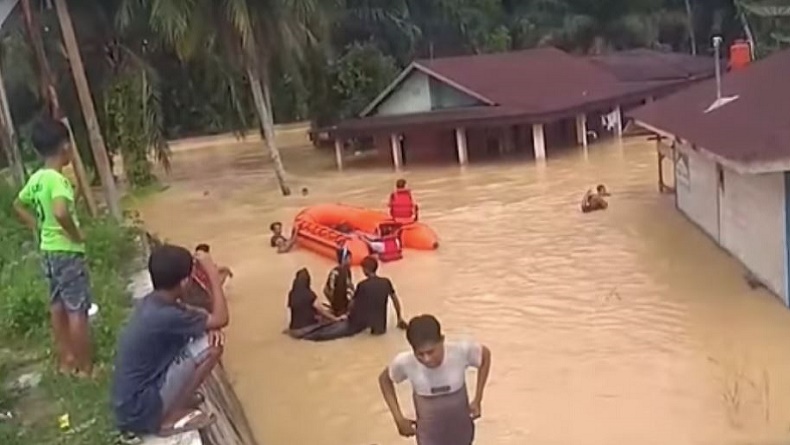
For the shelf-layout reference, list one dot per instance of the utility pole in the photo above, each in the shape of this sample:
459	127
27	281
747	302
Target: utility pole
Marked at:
88	110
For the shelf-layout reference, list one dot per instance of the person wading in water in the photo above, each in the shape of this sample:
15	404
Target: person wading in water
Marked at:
436	370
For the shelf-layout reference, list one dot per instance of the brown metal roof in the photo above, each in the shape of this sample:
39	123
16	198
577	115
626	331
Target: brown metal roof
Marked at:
751	132
537	81
640	65
537	85
447	118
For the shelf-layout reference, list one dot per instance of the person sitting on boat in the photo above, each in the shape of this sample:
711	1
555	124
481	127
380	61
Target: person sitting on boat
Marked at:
339	286
401	204
593	201
385	243
307	313
278	240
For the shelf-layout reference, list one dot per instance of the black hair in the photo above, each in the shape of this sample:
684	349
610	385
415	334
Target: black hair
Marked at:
370	264
301	279
600	187
305	191
203	247
400	183
169	265
48	135
275	224
423	330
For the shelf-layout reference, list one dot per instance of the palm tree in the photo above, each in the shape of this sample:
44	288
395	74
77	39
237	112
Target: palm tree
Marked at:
252	35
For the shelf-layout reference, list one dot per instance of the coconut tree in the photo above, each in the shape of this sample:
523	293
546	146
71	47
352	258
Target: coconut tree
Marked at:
250	34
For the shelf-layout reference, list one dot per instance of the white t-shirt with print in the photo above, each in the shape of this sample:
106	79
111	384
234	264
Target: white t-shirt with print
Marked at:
447	378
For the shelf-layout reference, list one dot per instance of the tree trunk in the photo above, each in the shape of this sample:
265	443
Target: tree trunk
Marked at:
263	107
9	141
89	112
690	25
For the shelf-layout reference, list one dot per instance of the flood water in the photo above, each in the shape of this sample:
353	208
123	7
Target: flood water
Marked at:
627	326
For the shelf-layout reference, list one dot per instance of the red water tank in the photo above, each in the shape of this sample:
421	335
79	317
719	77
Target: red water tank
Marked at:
740	55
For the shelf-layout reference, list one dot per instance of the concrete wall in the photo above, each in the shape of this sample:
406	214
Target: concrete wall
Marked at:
413	96
444	96
697	190
752	224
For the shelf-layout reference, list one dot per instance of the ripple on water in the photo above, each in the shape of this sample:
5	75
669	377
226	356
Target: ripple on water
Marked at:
606	328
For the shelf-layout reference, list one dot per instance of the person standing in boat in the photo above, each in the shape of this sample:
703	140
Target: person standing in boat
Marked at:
437	372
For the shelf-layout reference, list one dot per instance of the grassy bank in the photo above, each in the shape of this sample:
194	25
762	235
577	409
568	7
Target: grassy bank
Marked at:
26	347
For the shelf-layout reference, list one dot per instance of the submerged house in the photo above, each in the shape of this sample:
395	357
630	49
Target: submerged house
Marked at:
731	154
471	107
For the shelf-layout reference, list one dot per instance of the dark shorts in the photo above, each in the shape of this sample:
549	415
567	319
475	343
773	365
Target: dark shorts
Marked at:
69	284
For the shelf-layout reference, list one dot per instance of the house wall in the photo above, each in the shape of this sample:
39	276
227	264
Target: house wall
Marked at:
744	214
413	96
752	224
444	96
697	190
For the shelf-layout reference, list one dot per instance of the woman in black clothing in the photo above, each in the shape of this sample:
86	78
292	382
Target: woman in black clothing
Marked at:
307	313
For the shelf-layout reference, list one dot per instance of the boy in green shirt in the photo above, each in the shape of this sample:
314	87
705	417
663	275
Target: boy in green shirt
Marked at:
46	205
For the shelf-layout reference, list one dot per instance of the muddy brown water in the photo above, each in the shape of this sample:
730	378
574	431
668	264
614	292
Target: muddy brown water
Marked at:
624	326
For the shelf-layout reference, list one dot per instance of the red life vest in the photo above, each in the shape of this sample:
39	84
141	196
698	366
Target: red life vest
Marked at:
402	206
392	249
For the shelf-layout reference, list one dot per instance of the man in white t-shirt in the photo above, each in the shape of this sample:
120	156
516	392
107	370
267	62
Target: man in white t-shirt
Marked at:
437	373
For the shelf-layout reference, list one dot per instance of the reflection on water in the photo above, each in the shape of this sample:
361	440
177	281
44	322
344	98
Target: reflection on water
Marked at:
623	326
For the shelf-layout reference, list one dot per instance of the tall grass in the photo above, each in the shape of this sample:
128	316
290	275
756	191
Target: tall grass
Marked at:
24	328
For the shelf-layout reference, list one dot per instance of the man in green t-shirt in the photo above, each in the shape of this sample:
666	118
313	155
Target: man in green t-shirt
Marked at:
46	205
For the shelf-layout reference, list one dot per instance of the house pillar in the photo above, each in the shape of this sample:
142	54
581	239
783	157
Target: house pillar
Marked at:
618	122
339	153
538	141
397	150
461	146
581	130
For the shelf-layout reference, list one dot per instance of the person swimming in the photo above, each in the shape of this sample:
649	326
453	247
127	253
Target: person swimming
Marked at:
593	201
278	240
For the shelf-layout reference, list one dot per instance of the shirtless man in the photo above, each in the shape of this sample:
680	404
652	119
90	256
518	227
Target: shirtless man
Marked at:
593	201
278	240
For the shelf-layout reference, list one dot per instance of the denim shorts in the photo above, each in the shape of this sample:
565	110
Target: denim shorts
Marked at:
182	371
69	284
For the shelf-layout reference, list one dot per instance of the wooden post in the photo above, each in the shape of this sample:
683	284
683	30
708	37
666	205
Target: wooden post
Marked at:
83	185
9	141
339	153
83	91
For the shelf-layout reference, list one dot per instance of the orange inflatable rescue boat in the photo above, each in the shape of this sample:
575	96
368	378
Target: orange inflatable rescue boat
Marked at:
316	230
